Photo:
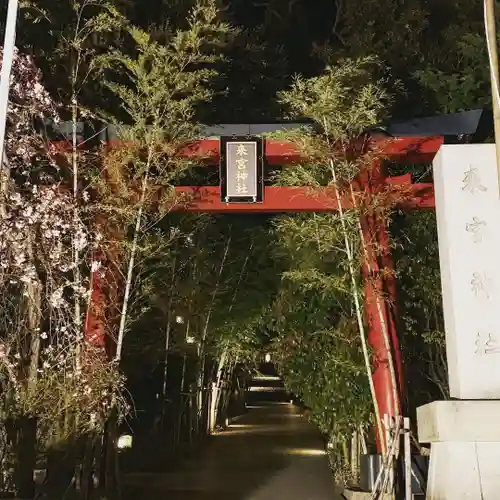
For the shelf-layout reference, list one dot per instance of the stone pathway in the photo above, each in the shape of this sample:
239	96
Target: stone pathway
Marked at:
271	453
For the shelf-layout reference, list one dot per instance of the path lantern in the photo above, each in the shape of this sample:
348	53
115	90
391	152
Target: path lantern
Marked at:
242	169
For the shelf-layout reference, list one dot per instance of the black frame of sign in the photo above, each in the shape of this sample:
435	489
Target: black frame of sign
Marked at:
223	169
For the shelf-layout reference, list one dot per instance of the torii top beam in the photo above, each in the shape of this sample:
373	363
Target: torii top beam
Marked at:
405	150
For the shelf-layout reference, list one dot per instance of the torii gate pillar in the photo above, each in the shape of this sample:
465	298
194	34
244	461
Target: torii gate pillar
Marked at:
381	305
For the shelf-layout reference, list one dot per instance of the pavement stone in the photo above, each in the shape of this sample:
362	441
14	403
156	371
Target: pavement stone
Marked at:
271	453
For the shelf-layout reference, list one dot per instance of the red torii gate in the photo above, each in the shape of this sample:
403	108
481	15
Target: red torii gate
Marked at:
378	282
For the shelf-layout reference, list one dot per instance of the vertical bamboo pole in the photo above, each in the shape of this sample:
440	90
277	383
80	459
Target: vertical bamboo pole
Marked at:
355	455
491	40
388	440
407	461
7	60
167	345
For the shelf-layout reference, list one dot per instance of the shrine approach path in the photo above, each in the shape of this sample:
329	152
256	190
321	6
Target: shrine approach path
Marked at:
270	453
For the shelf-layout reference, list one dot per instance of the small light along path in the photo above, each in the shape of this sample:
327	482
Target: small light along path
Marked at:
270	453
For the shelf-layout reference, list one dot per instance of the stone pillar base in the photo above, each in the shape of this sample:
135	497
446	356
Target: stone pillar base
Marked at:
465	449
363	495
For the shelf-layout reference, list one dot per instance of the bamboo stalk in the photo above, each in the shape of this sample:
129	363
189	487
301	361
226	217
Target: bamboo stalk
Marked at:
408	464
217	390
131	264
184	357
388	483
167	345
383	476
364	447
357	305
181	399
214	403
7	61
201	348
355	455
4	184
80	335
389	480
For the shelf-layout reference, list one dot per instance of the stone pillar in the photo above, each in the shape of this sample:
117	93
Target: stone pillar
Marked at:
464	434
465	449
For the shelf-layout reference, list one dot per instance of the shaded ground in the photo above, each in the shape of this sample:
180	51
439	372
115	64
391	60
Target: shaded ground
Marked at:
270	453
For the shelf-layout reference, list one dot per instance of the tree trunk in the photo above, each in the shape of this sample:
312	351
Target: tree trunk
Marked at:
87	469
26	427
109	483
60	472
25	457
